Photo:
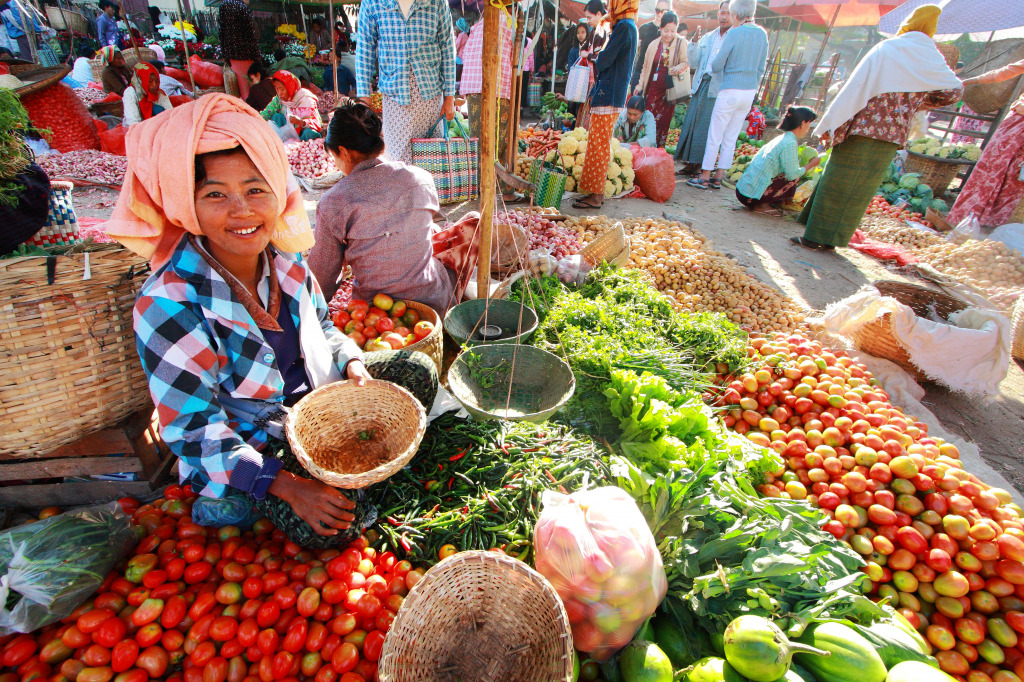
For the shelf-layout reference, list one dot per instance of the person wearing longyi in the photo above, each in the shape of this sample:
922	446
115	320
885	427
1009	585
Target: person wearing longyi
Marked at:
232	327
869	120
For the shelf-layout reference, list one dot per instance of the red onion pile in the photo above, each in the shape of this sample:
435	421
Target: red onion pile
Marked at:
57	109
86	164
90	95
544	233
309	159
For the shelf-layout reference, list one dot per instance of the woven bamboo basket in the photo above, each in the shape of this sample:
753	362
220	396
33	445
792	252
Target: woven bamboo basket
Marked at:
352	436
1017	319
989	98
1018	213
877	338
96	64
131	60
66	19
68	363
485	320
39	79
479	616
514	382
509	247
608	247
433	343
936	173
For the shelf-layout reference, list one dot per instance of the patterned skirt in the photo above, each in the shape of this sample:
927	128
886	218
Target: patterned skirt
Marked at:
693	134
995	186
403	122
595	162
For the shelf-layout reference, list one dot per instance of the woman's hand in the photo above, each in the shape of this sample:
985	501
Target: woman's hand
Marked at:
813	163
295	121
585	54
826	140
448	108
318	504
356	371
1019	109
639	88
970	81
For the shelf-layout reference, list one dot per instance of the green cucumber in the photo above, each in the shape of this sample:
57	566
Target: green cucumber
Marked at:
852	658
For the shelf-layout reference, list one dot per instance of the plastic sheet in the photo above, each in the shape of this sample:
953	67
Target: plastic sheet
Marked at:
597	551
50	567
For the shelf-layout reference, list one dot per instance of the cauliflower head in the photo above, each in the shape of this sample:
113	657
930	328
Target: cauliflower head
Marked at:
551	156
568	161
580	134
614	170
582	147
609	189
570	184
919	148
628	175
618	186
944	152
568	145
972	152
577	172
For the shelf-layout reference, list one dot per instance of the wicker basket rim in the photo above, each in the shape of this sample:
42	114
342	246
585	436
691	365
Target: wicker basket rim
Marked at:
54	74
364	478
927	157
449	318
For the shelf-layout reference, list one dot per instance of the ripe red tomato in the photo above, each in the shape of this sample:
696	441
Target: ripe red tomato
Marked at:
198	572
345	658
285	597
96	656
308	602
268	641
223	629
282	664
110	632
373	644
268	614
295	639
90	621
148	635
216	670
123	655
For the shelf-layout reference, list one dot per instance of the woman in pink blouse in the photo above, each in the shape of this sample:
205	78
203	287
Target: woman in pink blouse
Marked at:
996	184
378	219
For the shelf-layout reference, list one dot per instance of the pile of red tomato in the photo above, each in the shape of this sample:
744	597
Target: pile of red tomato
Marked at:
197	604
942	546
386	325
879	206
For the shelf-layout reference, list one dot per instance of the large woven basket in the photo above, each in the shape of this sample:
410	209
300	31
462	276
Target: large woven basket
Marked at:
1017	319
66	19
433	343
131	59
1018	213
936	173
68	363
479	616
509	246
989	98
488	320
353	436
877	338
514	382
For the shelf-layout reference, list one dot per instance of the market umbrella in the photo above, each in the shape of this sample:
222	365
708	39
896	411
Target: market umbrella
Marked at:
836	12
983	19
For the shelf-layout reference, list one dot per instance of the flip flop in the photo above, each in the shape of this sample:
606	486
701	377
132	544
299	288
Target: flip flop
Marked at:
518	199
814	246
698	183
583	204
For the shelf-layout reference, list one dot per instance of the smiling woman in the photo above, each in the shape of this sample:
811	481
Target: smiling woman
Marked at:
232	327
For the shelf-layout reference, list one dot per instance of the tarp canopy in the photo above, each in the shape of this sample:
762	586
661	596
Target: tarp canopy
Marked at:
979	18
850	12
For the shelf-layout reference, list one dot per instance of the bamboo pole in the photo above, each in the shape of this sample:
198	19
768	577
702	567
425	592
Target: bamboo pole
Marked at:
824	42
515	96
302	11
184	44
488	138
334	53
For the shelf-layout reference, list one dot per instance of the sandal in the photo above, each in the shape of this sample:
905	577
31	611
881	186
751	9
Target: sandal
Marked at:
516	199
808	244
715	184
698	183
584	204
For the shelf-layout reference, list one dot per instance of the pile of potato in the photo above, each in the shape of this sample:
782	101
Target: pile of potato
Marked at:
685	265
990	266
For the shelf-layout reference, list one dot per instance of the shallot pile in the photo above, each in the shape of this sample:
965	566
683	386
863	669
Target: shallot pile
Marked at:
86	165
544	233
309	159
90	95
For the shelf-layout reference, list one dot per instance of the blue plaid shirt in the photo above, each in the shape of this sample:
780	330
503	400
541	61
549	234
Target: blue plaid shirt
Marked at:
389	45
213	376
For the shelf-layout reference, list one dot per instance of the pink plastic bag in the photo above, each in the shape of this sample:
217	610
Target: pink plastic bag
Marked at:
655	173
598	553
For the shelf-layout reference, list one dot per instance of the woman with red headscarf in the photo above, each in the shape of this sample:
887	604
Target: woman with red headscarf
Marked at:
144	99
298	106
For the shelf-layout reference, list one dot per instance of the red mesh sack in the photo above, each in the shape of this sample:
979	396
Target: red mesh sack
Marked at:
112	97
59	110
178	100
207	75
655	173
100	125
112	141
177	74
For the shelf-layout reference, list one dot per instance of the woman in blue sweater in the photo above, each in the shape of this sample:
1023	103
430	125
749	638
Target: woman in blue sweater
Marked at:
739	65
613	68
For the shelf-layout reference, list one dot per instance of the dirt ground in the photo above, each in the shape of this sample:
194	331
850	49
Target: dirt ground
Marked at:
814	279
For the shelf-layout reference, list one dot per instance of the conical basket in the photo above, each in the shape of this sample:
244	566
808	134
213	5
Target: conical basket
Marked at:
515	382
479	616
471	322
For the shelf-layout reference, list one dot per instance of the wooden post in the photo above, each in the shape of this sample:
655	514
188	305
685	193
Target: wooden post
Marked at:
184	43
554	51
488	146
515	96
334	54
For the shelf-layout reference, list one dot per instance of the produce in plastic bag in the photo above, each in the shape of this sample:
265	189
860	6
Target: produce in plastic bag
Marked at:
573	269
968	227
49	568
655	173
598	553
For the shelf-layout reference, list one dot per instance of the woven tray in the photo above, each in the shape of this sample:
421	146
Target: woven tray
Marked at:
609	247
479	616
353	436
1017	319
509	246
936	173
433	343
40	79
69	366
876	338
